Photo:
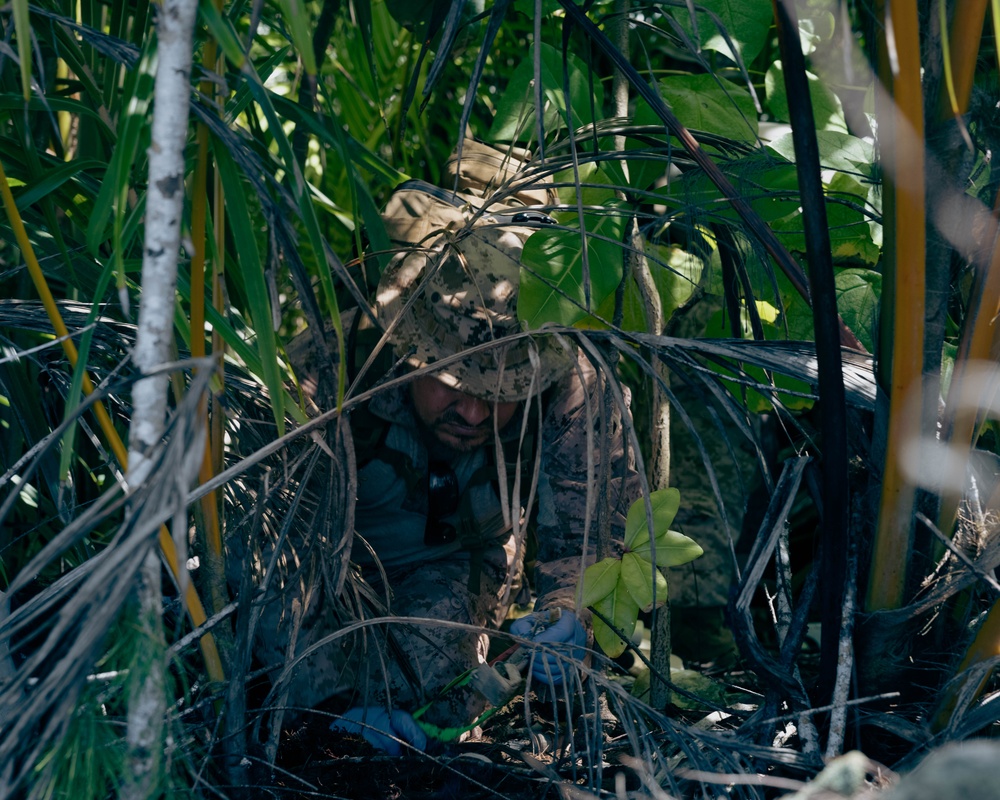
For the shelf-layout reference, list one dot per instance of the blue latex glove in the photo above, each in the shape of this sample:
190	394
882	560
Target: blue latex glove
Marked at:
566	631
381	729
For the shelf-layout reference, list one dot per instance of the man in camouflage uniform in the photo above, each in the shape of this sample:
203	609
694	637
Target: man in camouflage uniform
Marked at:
441	532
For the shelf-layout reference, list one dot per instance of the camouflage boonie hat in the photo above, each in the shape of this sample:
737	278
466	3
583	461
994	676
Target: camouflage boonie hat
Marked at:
469	297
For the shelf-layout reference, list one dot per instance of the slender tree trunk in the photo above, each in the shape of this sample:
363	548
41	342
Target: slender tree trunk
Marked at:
164	210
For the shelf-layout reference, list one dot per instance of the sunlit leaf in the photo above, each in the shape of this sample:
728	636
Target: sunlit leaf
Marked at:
644	582
665	503
827	109
837	150
600	580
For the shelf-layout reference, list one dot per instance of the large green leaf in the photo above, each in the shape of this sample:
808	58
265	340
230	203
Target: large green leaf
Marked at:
665	503
600	580
621	609
837	150
669	549
706	103
850	233
515	116
827	109
552	285
858	292
746	23
644	582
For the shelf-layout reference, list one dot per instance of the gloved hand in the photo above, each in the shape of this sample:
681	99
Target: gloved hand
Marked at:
566	631
381	729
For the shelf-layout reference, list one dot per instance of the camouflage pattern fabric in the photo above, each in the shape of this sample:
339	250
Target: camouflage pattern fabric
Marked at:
459	307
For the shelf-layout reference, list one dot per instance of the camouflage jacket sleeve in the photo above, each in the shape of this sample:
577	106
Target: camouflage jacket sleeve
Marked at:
565	547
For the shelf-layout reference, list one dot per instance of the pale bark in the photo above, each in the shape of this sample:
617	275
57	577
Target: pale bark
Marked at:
154	338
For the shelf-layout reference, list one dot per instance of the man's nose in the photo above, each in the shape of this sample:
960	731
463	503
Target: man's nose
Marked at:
473	410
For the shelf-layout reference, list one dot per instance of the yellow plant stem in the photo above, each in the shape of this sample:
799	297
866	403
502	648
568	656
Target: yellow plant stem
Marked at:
961	52
216	431
199	211
193	603
903	157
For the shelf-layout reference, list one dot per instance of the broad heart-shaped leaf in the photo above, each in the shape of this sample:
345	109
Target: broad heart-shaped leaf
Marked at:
621	609
676	274
840	151
638	575
600	580
703	103
515	117
828	112
747	24
672	549
858	292
552	271
850	233
665	503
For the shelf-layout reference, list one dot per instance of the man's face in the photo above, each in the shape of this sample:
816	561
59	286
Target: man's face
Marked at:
455	420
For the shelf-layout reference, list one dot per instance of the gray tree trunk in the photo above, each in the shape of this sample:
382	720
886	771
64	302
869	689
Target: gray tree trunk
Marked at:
154	347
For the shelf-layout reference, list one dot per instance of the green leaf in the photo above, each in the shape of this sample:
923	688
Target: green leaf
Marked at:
22	24
222	30
515	117
639	576
600	580
858	292
747	24
552	271
307	212
252	271
665	503
671	549
702	104
55	178
827	109
297	17
850	233
837	150
133	130
798	316
621	609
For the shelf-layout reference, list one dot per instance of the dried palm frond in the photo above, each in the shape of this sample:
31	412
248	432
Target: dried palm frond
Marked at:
61	630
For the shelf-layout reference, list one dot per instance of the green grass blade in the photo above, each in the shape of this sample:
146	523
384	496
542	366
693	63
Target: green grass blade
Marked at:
22	25
252	270
110	200
307	211
222	30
